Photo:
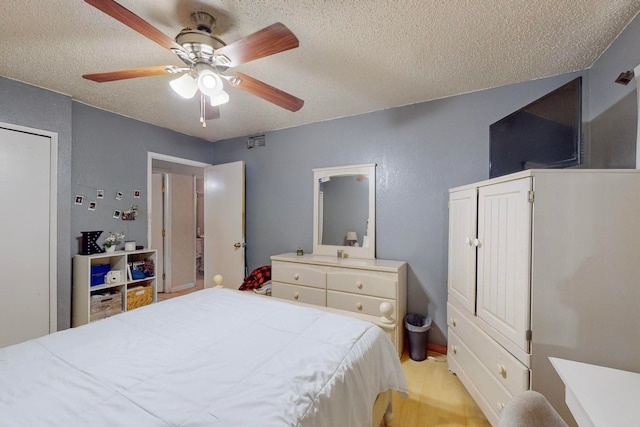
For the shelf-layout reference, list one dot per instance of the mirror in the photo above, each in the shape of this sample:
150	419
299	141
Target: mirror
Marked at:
344	211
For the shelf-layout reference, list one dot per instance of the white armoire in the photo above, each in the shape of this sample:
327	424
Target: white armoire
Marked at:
542	263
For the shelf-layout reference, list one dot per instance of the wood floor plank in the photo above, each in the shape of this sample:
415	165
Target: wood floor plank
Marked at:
436	397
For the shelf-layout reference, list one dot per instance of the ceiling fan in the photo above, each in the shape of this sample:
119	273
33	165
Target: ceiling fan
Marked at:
207	60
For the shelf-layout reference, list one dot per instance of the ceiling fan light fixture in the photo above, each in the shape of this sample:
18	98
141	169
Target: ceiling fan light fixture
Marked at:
219	99
209	83
185	86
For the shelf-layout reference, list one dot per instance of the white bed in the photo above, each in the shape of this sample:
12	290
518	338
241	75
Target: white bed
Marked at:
212	358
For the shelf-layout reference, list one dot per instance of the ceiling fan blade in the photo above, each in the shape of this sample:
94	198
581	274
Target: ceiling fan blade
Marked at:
131	74
267	92
134	22
272	39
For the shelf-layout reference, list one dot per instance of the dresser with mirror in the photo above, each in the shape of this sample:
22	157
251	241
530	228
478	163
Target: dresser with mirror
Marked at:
343	273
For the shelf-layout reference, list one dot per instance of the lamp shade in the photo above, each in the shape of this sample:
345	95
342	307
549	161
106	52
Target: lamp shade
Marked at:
351	235
185	86
209	83
219	99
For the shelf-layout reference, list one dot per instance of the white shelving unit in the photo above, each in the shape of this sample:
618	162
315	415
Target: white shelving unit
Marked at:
119	260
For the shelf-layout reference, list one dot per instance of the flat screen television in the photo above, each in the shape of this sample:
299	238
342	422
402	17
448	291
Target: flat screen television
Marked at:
544	134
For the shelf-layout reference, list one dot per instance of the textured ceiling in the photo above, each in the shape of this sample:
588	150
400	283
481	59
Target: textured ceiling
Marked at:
354	56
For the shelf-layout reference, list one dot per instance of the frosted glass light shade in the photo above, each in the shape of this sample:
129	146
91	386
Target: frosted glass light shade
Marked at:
185	86
209	83
219	99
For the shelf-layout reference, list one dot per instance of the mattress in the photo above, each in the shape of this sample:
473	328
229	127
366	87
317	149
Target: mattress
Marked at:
216	357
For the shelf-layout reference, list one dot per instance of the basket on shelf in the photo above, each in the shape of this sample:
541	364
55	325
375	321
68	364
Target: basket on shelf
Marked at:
105	305
139	296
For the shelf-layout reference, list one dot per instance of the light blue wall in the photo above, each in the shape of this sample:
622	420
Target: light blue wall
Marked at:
110	154
613	109
420	150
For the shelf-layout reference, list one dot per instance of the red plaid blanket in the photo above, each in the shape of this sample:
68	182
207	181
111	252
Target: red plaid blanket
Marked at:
257	278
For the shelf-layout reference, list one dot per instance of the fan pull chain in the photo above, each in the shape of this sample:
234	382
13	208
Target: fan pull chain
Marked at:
202	110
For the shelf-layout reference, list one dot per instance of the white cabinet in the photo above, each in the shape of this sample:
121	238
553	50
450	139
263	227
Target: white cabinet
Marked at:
556	275
358	286
128	291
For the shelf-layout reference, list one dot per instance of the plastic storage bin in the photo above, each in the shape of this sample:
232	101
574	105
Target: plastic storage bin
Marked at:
418	330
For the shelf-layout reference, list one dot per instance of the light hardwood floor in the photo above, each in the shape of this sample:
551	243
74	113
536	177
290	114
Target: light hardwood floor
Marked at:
436	397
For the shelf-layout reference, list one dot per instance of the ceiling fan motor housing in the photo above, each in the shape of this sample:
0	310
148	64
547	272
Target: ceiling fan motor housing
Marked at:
200	43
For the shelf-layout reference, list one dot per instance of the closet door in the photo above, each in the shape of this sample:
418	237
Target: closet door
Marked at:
462	252
28	230
504	253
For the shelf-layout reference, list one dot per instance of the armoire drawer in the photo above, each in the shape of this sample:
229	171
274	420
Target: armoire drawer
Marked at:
297	293
495	395
504	367
362	282
357	303
298	274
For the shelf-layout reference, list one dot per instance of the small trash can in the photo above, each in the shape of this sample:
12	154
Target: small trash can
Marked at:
418	330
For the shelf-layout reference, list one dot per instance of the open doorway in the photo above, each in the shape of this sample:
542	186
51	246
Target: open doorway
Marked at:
174	229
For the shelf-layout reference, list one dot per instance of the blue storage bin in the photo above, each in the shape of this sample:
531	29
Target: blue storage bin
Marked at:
98	272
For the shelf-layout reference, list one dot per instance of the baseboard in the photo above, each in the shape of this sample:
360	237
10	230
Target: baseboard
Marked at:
437	348
183	287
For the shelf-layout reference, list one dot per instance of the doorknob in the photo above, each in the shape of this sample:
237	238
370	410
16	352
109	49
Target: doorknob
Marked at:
239	245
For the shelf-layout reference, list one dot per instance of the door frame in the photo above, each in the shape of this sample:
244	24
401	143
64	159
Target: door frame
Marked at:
151	156
160	270
53	216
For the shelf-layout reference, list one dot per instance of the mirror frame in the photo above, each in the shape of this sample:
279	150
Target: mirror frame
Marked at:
352	252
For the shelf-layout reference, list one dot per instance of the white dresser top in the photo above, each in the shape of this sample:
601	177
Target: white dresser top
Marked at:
331	261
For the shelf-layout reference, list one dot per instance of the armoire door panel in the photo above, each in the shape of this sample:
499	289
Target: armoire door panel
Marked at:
504	248
462	252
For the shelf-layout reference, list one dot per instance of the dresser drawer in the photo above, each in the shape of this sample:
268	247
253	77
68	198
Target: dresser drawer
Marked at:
504	367
297	293
495	396
298	274
357	303
363	282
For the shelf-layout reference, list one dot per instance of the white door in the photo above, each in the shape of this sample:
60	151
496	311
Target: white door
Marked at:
504	254
224	224
157	226
462	250
28	297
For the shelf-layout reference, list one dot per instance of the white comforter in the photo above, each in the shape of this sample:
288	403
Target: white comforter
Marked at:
213	358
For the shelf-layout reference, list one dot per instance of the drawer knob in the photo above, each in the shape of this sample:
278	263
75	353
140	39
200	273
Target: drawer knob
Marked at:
296	276
359	306
502	371
500	406
453	322
359	285
296	295
454	349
